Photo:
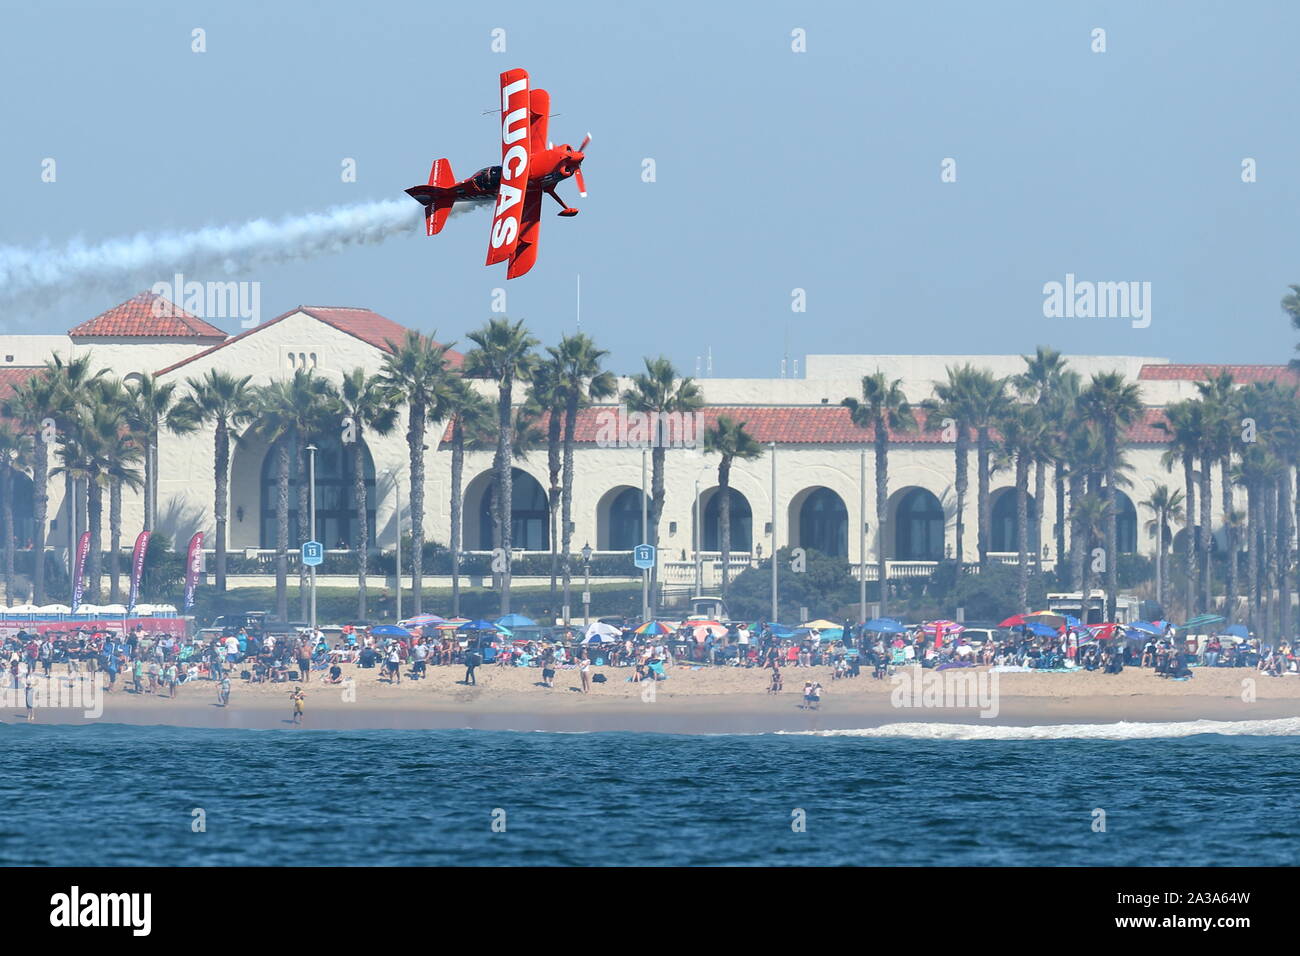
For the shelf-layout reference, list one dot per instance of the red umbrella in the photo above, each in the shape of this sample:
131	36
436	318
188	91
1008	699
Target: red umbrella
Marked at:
1014	620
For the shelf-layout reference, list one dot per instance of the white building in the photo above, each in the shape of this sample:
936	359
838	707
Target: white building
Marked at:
819	499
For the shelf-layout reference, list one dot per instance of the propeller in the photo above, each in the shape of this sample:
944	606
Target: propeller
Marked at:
577	172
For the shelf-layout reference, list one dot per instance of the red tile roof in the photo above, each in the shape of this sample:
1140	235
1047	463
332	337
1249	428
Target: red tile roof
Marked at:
1242	374
14	375
370	327
801	425
147	315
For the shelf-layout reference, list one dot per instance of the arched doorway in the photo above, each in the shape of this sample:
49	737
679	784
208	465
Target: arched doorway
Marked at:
622	525
742	523
336	519
824	523
1004	535
918	527
530	515
24	510
1126	523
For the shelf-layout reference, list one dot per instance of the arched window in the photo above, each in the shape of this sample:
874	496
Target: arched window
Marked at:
336	524
1126	523
918	527
1004	536
824	523
529	515
742	523
625	520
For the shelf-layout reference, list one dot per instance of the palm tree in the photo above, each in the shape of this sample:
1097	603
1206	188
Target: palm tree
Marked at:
367	404
981	400
15	453
584	381
728	438
658	392
223	401
73	465
504	354
1052	387
32	406
416	370
1165	506
883	408
946	406
469	413
73	378
1184	422
1022	429
546	396
113	457
316	405
146	414
1113	404
1223	419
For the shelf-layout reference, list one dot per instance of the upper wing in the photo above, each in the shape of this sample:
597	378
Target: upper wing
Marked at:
526	250
539	108
515	141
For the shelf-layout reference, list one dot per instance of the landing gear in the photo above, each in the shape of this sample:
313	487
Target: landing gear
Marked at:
567	211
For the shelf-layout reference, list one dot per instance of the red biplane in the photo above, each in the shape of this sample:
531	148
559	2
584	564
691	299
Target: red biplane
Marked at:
530	166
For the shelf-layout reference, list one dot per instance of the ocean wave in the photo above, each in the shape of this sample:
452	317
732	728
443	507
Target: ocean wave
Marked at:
1122	730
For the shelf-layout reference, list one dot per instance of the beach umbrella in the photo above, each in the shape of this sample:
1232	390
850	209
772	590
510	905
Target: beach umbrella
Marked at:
479	625
420	620
600	627
704	629
653	629
599	638
516	620
884	625
1237	630
451	623
1015	620
1103	631
1041	630
1204	620
390	630
821	624
832	633
1146	627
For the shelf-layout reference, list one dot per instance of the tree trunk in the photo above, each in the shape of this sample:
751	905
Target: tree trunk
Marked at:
724	520
1207	518
1252	554
1022	531
94	524
1112	524
363	526
282	531
656	510
553	426
221	470
7	527
1284	553
1190	545
1078	546
1230	530
415	453
566	491
1040	497
1160	551
41	509
985	505
960	483
457	475
1058	479
1270	553
114	541
149	491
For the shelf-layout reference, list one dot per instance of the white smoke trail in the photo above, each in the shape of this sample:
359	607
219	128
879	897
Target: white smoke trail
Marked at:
46	274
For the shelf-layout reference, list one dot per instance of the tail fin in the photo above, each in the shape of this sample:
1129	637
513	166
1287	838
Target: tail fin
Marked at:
437	203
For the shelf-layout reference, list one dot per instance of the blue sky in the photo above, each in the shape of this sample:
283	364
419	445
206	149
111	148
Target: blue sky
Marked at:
775	170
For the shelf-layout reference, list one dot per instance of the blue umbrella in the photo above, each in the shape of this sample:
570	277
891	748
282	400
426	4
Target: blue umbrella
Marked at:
390	630
776	630
479	625
516	620
1237	630
1146	628
885	625
1042	630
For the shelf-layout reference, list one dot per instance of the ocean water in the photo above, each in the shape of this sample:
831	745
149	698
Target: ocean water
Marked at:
907	795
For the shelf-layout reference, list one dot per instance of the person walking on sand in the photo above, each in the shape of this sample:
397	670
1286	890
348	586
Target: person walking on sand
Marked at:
394	663
29	691
472	660
223	692
299	702
815	696
584	668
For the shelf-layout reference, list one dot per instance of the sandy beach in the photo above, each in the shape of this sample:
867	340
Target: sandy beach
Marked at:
703	700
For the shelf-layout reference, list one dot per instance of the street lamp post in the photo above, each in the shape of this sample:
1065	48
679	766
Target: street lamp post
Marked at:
699	568
775	607
862	539
311	498
645	538
586	586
